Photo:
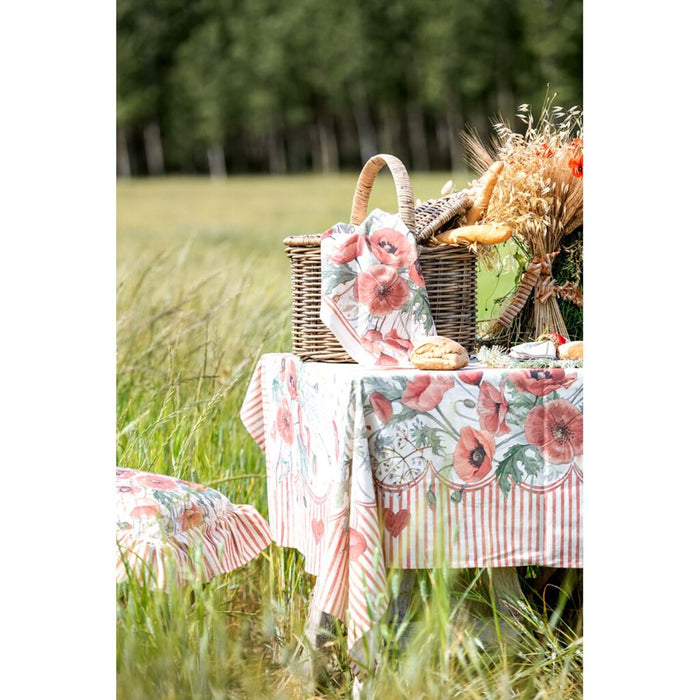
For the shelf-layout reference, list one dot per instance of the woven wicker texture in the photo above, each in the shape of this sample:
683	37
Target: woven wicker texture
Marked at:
449	271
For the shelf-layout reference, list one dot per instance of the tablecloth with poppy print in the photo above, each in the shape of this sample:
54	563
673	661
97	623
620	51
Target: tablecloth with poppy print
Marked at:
369	469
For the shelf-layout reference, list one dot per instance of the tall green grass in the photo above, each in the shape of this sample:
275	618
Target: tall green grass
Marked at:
202	292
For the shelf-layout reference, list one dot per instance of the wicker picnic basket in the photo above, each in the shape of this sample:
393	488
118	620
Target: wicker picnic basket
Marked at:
449	270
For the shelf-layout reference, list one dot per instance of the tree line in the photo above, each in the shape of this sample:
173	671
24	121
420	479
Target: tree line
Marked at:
276	86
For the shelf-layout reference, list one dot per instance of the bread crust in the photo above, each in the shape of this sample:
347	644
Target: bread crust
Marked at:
571	351
438	352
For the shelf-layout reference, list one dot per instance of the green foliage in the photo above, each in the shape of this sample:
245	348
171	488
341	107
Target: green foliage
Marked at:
250	75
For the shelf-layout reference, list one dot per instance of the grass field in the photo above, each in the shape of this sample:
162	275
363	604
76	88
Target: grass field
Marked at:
203	290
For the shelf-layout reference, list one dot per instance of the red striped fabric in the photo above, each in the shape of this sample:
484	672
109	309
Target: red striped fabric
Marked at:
352	529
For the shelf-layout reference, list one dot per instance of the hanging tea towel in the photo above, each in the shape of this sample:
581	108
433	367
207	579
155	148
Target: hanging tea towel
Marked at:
373	293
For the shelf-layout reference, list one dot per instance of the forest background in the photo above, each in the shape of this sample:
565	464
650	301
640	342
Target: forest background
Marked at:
267	86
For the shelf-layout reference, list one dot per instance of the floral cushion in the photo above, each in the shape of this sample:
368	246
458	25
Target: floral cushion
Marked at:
168	528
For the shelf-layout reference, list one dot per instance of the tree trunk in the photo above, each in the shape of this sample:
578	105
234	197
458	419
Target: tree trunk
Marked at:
276	157
416	136
154	149
123	160
366	133
217	161
328	145
389	130
455	126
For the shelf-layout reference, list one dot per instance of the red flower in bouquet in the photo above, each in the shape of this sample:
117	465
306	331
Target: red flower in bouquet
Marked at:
474	454
492	408
347	248
424	393
381	407
576	166
382	290
541	382
284	422
391	247
556	429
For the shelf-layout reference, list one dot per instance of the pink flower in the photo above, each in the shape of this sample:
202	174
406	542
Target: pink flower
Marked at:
381	406
192	517
473	454
425	392
391	247
192	485
129	488
372	341
147	508
156	481
393	340
492	408
541	382
386	361
284	421
415	272
556	429
347	248
472	377
382	290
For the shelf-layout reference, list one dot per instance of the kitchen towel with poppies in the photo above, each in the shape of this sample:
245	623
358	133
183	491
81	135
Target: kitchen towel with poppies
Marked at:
373	293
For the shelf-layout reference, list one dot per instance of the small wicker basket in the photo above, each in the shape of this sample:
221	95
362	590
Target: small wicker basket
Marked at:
449	271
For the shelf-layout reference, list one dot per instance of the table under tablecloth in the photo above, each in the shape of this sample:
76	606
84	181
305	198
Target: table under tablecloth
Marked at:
375	469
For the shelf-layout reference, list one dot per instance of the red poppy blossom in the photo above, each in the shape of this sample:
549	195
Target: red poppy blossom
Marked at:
156	481
472	377
381	407
381	290
393	340
391	247
556	429
347	248
192	517
424	393
386	361
492	408
415	272
576	166
147	508
474	454
284	422
541	382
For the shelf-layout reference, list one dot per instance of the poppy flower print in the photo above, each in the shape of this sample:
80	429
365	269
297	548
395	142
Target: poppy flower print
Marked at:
381	290
556	429
381	407
492	409
374	298
284	422
426	392
541	382
473	455
392	248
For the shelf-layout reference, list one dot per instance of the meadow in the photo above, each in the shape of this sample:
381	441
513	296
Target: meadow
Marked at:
203	291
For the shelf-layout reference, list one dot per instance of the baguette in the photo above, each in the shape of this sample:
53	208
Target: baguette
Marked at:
481	204
484	233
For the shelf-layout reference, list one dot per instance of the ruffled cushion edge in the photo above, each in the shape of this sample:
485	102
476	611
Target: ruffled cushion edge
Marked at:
228	543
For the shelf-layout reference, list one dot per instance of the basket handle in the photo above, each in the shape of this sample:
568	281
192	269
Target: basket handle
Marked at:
404	191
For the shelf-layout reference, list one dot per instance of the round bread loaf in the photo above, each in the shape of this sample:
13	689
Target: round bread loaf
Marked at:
571	351
437	352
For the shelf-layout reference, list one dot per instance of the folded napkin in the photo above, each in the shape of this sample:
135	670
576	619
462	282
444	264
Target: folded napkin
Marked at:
539	350
373	294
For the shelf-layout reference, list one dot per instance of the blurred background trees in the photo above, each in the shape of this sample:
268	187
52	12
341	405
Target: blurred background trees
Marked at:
272	86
